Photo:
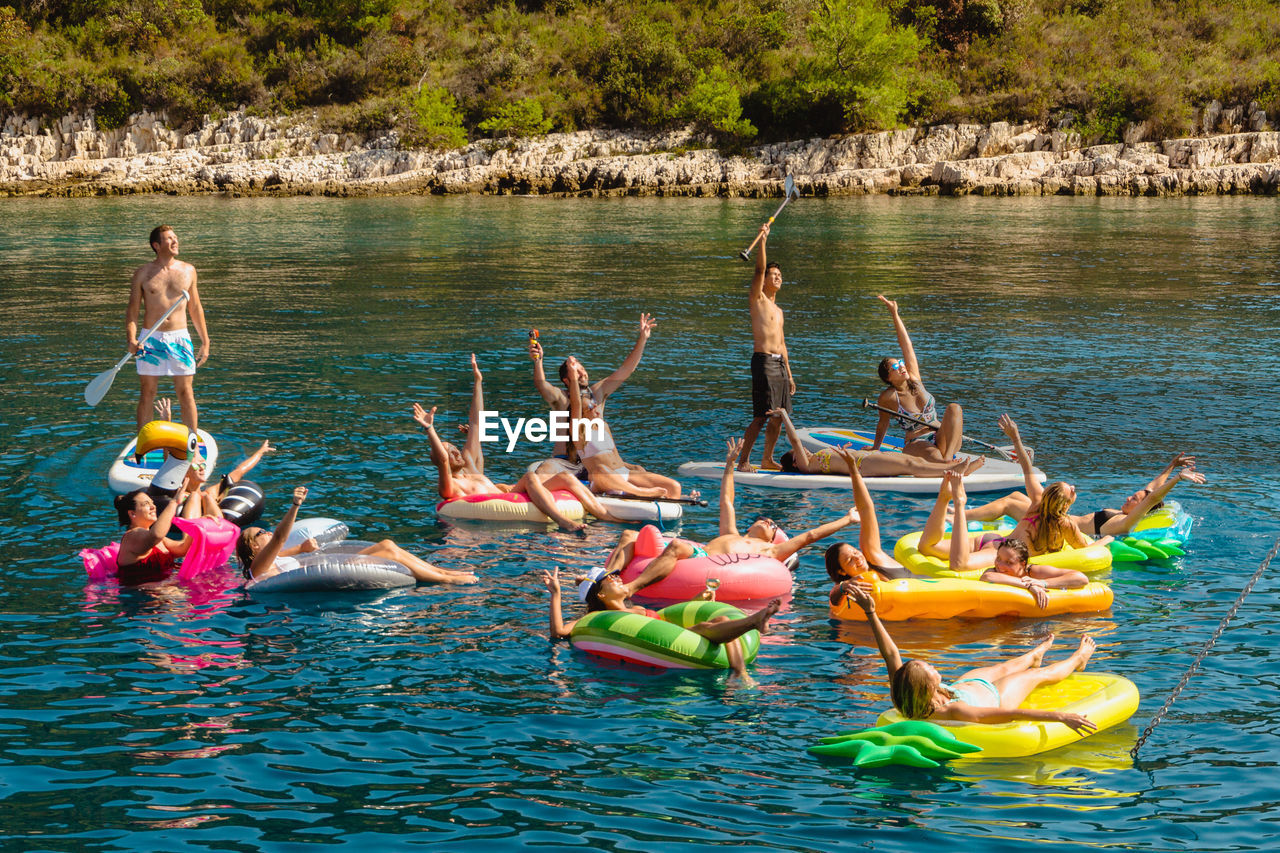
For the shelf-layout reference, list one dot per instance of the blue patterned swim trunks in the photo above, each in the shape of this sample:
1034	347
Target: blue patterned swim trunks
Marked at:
167	354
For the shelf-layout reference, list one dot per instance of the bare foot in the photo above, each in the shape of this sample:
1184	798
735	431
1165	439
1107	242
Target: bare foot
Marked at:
974	464
460	578
766	613
747	467
1038	653
1086	650
770	465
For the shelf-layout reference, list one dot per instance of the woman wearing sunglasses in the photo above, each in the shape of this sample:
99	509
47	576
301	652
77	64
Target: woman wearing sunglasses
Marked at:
907	395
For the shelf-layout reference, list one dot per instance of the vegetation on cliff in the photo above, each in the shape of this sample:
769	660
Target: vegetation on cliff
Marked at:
438	72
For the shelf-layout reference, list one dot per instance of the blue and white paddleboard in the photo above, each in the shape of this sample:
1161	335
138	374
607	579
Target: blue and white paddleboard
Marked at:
127	473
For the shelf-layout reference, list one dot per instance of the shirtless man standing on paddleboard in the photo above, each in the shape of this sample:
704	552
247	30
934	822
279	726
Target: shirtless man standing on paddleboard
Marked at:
168	352
771	383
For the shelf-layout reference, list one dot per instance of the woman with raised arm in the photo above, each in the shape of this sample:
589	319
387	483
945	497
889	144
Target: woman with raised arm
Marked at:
988	694
599	455
907	396
872	463
1105	522
263	553
462	471
607	592
1046	527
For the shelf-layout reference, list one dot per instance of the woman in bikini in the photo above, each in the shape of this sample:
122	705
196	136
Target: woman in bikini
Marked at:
873	463
262	552
844	561
988	694
1046	527
605	591
1105	522
907	395
599	455
462	471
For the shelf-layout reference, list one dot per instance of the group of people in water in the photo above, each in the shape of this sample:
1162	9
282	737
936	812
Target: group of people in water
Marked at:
588	466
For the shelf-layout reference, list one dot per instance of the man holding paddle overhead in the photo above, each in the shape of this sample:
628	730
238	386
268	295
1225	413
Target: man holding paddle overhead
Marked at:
772	385
156	288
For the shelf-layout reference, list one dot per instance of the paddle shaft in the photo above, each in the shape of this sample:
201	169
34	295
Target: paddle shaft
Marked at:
867	404
128	355
790	193
685	501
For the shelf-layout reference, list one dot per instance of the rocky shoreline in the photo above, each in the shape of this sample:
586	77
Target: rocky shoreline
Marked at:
241	154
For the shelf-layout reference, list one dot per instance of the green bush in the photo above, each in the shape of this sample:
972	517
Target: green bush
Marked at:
714	104
518	118
863	63
435	120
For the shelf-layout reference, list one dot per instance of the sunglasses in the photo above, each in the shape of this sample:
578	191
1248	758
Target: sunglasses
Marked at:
897	365
769	521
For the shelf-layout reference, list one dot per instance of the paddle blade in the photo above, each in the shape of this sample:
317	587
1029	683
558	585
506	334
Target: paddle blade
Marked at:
789	188
101	384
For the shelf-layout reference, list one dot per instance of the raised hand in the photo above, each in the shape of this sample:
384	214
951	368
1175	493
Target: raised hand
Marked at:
1008	427
299	495
646	325
535	349
733	447
427	420
860	592
551	579
475	369
891	304
164	409
1191	475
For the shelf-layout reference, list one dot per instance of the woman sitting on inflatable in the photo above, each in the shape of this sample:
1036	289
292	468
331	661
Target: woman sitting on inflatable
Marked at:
872	463
599	455
907	395
1105	522
989	694
262	553
462	471
761	536
607	592
146	553
1047	526
844	561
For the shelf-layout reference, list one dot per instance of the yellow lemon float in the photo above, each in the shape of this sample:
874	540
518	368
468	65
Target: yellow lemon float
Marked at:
1107	700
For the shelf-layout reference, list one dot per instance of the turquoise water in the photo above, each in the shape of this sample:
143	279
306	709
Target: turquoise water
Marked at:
1116	331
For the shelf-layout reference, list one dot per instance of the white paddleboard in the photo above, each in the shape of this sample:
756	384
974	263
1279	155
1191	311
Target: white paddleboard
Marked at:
995	476
642	510
127	474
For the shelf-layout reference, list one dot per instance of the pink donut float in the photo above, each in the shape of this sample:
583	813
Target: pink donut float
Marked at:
743	577
507	506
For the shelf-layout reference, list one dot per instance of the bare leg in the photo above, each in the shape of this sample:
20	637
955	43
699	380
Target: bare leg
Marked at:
184	386
931	539
1015	688
421	569
749	439
568	482
771	432
1021	663
546	502
661	566
951	433
623	553
647	479
901	464
147	398
1014	505
607	481
722	629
